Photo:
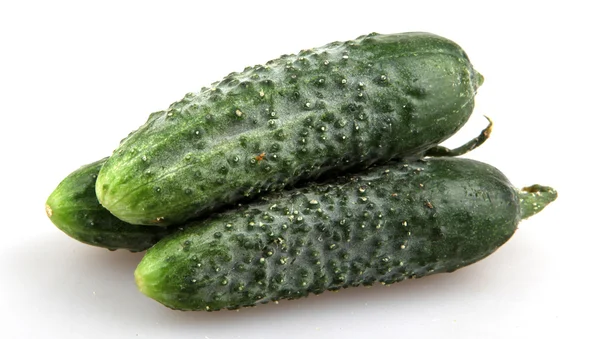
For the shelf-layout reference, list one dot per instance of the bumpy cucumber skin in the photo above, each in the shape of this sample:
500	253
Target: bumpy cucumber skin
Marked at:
75	210
340	107
386	225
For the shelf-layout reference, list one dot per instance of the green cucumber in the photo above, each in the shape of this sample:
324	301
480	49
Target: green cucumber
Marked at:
340	107
75	210
385	225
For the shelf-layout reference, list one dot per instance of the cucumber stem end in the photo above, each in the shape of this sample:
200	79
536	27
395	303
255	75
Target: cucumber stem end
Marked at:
535	198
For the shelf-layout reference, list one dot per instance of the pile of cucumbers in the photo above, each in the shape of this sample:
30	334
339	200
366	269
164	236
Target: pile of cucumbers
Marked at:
315	171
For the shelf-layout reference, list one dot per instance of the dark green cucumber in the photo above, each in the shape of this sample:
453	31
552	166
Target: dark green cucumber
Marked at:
340	107
385	225
75	210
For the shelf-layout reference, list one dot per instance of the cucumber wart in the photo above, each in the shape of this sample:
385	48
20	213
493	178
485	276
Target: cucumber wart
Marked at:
340	107
385	225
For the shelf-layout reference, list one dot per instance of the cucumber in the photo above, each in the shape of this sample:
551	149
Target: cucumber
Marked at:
75	210
340	107
385	225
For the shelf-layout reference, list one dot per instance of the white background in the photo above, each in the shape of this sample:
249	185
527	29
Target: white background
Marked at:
76	77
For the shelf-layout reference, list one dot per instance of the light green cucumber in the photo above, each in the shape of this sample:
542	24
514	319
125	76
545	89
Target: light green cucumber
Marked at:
75	210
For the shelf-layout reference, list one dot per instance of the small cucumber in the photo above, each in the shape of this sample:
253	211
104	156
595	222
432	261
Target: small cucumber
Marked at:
385	225
340	107
74	209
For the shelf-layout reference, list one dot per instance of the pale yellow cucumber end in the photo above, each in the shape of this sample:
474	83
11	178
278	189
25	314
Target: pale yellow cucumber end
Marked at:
139	281
49	211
